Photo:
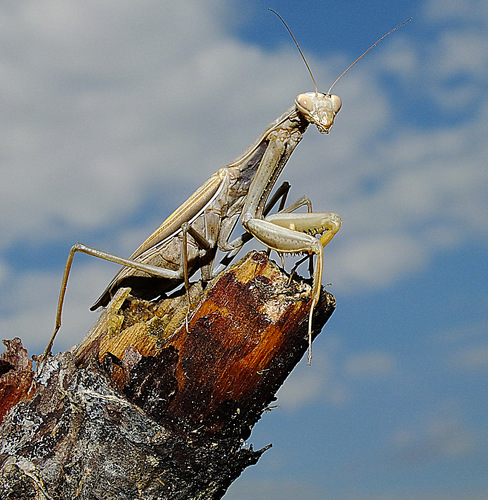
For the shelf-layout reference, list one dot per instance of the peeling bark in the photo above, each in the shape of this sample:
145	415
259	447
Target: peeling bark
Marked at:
145	407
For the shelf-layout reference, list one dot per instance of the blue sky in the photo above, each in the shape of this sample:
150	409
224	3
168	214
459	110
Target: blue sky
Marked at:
114	112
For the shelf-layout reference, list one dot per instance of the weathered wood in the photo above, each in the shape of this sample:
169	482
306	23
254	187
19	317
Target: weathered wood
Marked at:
146	407
15	376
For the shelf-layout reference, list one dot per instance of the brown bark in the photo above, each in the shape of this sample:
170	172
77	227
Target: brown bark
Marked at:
145	408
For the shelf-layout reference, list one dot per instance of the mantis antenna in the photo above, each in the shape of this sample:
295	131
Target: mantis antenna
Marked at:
351	65
298	47
364	53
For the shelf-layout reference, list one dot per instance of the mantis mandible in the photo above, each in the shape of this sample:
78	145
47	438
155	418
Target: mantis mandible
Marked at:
188	240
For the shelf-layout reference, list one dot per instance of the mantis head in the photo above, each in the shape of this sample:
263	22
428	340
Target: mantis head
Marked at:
319	109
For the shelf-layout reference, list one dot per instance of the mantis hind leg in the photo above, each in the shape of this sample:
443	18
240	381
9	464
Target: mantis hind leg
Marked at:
157	271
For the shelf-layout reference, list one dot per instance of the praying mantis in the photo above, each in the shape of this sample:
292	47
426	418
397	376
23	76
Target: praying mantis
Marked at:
188	240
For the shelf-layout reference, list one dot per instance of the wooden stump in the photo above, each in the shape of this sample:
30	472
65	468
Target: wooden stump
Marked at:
157	404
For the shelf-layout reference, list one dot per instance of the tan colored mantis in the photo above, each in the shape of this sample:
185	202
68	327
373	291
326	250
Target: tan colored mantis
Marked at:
188	240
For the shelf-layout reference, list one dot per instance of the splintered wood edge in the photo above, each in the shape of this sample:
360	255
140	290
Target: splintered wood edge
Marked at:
246	332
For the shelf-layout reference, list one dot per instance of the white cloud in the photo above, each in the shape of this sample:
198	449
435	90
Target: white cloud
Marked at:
438	437
464	348
322	382
334	374
88	105
370	365
4	273
451	10
29	309
375	262
461	52
474	357
466	332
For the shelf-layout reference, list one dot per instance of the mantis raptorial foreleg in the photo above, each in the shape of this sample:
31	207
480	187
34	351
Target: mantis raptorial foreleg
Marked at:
295	233
286	239
234	246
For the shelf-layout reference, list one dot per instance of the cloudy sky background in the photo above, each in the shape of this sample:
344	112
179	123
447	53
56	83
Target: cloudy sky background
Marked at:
112	113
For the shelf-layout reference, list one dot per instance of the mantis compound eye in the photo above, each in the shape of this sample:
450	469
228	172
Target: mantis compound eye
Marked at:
336	102
304	103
